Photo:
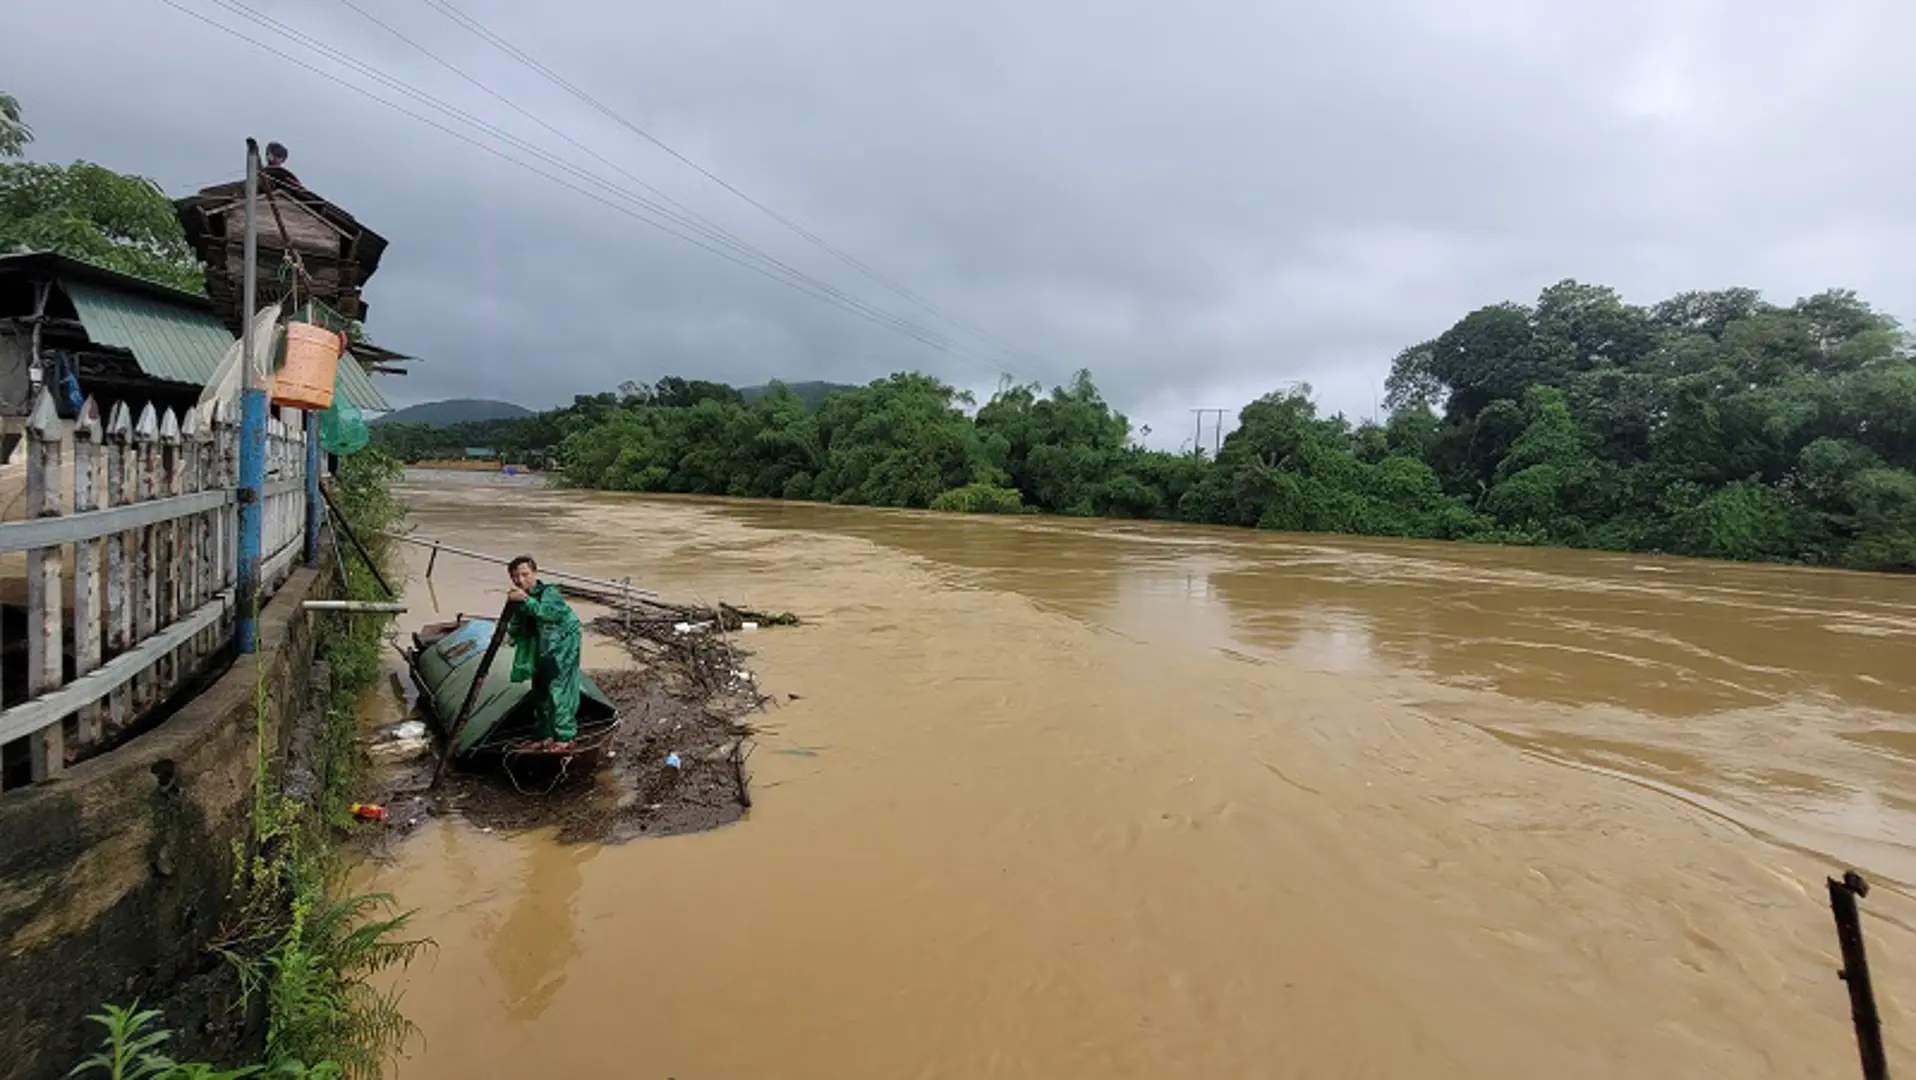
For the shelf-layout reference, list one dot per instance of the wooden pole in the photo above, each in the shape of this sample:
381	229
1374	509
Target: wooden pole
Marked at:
472	692
622	587
1855	973
311	467
339	525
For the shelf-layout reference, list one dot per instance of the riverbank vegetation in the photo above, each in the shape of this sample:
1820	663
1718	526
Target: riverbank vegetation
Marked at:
304	950
1711	424
87	211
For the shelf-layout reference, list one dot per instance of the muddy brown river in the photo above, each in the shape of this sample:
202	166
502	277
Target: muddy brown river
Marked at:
1065	798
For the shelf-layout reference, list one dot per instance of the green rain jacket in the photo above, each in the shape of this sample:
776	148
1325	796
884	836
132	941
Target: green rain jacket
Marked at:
545	642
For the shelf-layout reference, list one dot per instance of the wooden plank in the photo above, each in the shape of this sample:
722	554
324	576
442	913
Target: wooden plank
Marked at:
281	561
87	437
119	575
45	599
34	715
66	529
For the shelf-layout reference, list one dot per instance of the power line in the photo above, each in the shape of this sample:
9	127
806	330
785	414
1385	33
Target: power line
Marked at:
843	298
794	279
688	217
446	8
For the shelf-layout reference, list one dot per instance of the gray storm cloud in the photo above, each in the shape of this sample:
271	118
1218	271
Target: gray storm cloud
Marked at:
1198	202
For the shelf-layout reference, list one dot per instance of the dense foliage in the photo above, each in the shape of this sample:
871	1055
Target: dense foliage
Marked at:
89	212
1711	424
14	132
307	953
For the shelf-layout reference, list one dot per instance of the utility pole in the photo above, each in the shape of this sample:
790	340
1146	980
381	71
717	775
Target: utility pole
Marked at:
1217	431
252	448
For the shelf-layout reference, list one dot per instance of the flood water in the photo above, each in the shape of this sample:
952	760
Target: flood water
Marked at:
1085	799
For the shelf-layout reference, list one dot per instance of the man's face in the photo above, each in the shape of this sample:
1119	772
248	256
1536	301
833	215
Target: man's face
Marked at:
523	575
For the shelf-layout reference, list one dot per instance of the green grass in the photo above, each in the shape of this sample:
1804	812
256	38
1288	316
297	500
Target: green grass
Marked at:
305	950
131	1050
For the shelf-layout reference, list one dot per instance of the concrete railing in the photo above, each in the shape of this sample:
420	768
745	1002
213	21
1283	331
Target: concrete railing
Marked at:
130	570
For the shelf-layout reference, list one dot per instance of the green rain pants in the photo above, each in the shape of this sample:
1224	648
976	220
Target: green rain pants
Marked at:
545	640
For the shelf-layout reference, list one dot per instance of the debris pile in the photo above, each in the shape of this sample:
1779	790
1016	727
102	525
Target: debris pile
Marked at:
677	764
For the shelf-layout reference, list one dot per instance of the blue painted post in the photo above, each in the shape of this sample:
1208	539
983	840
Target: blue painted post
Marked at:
312	489
252	448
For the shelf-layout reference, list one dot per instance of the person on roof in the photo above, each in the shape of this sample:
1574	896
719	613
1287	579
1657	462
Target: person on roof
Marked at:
545	642
276	164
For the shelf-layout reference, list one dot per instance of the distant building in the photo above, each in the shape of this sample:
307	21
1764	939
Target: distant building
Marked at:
481	453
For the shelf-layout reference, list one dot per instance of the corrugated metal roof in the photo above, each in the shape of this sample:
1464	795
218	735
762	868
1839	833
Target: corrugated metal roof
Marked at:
359	387
170	342
179	344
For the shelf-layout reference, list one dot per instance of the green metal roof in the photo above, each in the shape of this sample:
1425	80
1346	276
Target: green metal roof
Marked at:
181	344
170	342
358	386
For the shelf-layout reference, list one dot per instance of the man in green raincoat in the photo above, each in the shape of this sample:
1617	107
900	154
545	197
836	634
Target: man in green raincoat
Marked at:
545	642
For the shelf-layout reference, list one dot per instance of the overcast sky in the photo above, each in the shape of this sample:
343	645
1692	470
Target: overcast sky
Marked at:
1198	201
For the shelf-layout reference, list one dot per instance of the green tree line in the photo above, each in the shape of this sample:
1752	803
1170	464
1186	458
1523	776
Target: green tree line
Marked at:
89	212
1710	424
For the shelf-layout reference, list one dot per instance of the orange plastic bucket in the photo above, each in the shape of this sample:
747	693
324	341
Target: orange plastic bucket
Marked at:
306	380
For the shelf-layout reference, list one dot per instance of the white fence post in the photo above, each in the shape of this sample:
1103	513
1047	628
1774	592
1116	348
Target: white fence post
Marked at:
146	431
191	556
171	484
46	598
151	532
120	554
87	435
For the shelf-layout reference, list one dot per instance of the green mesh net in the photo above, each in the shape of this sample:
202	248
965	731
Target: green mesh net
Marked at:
342	428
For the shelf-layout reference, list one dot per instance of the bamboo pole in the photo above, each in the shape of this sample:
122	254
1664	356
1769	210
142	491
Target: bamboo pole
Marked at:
339	524
472	691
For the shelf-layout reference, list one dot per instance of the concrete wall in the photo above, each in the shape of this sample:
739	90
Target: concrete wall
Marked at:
114	876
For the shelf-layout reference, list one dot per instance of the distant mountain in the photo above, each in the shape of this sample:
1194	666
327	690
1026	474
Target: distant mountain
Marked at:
813	394
454	411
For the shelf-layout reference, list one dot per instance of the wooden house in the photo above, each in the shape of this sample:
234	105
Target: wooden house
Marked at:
291	225
121	338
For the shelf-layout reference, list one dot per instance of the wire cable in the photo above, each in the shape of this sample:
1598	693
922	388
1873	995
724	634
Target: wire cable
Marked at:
689	216
686	216
796	280
239	7
473	25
